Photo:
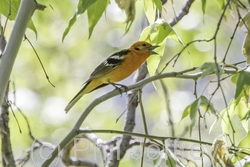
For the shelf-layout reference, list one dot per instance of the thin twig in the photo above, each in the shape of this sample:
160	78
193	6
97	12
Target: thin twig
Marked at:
184	12
176	57
168	108
134	134
230	42
230	122
199	123
40	61
144	123
14	115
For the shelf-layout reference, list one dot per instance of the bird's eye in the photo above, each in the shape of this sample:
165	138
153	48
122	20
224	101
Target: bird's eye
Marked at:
144	44
137	49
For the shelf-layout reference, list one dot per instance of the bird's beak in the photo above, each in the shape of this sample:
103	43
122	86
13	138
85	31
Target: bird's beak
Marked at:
151	48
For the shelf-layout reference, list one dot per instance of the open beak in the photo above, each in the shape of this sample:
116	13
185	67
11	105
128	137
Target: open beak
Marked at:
151	48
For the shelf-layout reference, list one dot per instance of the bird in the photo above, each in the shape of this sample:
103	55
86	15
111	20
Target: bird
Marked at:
115	68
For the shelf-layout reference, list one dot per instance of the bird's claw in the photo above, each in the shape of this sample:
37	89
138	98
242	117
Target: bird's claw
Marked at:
124	87
119	87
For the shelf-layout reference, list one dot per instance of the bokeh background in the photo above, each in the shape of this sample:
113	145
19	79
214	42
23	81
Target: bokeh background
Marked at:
69	64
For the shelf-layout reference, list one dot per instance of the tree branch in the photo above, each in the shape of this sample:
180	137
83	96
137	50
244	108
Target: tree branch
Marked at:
136	86
25	11
7	155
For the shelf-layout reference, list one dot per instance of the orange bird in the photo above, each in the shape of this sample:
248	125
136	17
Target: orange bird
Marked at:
115	68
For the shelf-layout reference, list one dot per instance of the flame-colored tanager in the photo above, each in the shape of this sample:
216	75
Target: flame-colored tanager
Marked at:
115	68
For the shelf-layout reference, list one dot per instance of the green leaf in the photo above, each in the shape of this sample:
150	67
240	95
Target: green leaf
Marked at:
193	113
4	9
157	34
235	78
208	106
243	79
225	124
211	127
192	110
171	160
82	6
32	27
186	112
243	90
240	109
149	9
71	22
247	116
246	47
204	4
95	12
244	145
210	68
154	60
158	4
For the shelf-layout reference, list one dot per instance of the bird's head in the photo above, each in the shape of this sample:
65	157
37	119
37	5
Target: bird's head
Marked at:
144	47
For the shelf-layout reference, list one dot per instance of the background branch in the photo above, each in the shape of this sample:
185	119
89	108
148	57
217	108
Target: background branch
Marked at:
168	108
7	155
69	160
130	120
183	12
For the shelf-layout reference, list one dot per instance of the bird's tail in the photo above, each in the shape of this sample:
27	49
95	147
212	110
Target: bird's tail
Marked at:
76	98
90	86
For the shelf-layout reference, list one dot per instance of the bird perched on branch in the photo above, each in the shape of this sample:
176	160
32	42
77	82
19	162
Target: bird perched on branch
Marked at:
115	68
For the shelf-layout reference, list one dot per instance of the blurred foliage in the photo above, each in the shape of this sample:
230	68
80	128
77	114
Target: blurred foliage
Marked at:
98	33
9	9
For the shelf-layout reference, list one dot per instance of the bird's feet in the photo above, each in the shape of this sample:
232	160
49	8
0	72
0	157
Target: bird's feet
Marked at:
120	87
